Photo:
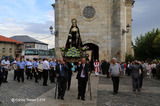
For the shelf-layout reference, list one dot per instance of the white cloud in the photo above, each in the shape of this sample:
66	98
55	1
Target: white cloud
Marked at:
11	27
27	17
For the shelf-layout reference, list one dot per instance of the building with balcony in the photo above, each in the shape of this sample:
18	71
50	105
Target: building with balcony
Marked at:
30	42
10	47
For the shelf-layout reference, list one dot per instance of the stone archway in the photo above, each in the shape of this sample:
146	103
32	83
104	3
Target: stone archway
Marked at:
94	50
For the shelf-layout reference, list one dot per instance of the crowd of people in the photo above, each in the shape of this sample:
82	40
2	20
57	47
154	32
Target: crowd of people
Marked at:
136	69
149	68
48	68
62	70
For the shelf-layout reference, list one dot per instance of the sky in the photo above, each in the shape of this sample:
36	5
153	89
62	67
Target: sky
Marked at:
27	17
34	17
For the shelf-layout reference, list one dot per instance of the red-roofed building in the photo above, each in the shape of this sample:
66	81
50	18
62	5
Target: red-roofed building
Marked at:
10	47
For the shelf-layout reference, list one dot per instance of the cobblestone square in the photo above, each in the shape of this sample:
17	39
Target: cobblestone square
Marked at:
149	95
13	91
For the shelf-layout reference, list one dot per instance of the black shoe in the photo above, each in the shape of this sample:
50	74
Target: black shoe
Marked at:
62	98
45	85
5	82
78	97
36	81
83	99
139	90
114	93
58	97
134	91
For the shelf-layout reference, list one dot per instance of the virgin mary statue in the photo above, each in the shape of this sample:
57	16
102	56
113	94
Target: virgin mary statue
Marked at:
74	38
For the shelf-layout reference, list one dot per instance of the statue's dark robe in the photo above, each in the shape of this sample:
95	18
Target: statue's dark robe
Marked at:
76	40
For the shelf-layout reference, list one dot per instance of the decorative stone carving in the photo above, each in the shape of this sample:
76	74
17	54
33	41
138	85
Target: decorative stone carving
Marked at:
89	12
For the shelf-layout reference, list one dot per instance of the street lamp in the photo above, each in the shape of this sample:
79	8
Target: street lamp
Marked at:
51	30
126	31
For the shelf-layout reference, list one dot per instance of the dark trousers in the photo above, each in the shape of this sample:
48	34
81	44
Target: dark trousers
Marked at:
1	80
69	82
154	72
39	75
129	72
29	73
5	73
20	75
115	81
15	74
35	74
82	82
103	71
107	74
141	81
135	83
45	77
61	86
52	75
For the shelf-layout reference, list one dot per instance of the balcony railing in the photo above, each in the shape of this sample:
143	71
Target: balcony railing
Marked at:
18	51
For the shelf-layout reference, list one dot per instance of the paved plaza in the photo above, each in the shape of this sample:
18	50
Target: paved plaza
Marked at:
149	95
16	94
34	94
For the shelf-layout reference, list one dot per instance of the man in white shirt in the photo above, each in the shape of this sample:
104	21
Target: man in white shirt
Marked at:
82	76
5	64
46	67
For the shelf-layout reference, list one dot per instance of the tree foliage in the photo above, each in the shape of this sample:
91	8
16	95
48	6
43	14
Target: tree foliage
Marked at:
147	46
129	58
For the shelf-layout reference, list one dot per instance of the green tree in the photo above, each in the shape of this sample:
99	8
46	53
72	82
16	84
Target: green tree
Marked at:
129	58
146	46
156	43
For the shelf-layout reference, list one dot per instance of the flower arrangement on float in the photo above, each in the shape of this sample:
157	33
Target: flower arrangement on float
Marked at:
73	52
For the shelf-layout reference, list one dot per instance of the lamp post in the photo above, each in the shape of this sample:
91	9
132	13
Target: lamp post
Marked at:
124	32
51	30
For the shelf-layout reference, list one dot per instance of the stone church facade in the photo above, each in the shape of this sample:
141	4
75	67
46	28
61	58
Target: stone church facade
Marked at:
101	22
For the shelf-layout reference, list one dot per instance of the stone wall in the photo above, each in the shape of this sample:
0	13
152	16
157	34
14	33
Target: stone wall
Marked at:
7	49
103	30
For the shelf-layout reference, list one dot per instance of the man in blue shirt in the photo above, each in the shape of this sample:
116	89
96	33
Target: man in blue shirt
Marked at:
21	66
5	64
52	71
122	67
29	69
15	68
35	70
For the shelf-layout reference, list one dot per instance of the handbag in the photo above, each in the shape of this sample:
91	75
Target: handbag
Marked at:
147	73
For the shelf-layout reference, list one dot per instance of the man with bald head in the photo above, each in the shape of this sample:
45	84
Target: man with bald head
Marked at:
82	76
62	76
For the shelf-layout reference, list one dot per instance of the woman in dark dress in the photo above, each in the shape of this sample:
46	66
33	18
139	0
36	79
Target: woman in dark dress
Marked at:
74	39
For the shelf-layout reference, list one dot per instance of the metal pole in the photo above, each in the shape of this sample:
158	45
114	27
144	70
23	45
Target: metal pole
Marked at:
90	87
55	96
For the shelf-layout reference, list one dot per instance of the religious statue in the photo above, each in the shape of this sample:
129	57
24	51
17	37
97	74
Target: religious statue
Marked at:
74	39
